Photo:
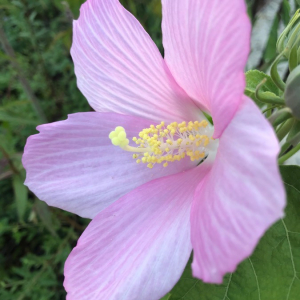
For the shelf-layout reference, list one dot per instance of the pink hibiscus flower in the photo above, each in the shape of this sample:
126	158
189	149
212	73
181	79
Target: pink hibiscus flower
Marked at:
146	221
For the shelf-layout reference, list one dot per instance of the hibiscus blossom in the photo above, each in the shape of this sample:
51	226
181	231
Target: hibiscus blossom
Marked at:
156	178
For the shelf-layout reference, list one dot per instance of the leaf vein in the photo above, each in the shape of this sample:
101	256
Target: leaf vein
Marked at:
292	260
256	278
292	186
195	283
227	288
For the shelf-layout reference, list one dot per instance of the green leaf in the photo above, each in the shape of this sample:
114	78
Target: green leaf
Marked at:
270	51
42	210
208	117
21	195
286	12
73	5
253	79
5	116
295	129
264	20
167	297
272	272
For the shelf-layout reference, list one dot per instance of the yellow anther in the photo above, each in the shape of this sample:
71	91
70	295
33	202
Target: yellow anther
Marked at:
156	143
179	141
204	123
206	142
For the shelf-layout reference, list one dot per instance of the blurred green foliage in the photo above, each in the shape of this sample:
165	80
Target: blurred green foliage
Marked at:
35	239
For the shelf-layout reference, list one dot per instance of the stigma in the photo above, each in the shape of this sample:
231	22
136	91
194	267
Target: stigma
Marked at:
163	144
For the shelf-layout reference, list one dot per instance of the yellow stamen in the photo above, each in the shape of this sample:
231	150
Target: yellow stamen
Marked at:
166	143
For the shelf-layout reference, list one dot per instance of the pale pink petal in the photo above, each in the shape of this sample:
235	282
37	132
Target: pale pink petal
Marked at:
137	248
73	165
119	68
206	48
241	197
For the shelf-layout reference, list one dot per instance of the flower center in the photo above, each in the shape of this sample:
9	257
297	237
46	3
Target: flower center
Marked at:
167	143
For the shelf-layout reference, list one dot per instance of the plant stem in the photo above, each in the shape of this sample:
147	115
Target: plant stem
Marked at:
294	140
274	73
280	116
285	148
269	110
23	80
285	129
9	161
6	174
285	157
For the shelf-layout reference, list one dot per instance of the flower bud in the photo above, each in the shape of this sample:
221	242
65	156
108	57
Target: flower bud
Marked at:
292	92
290	36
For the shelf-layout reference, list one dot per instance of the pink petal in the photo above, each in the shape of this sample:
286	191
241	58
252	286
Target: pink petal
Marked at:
73	165
206	48
119	68
241	197
137	248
